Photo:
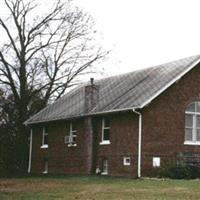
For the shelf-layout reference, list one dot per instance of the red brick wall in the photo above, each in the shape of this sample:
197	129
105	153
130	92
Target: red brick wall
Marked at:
164	122
61	158
124	140
76	160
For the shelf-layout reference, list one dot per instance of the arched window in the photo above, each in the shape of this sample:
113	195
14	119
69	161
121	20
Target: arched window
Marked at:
192	123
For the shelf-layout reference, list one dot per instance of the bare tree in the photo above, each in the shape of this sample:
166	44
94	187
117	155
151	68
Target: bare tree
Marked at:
44	55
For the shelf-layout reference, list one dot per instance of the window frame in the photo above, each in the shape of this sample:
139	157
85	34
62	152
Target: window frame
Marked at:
125	163
104	172
72	135
45	134
194	127
103	141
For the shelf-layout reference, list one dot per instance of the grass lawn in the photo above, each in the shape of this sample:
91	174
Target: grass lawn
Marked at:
97	188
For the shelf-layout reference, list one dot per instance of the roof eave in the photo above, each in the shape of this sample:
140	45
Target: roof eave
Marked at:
85	115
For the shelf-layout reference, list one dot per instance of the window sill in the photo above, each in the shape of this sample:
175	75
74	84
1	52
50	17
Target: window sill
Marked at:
191	143
104	143
72	145
44	146
127	164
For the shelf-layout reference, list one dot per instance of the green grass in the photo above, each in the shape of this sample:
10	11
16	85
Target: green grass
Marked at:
97	188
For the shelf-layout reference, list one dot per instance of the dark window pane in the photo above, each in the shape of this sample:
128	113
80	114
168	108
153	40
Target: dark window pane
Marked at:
188	134
198	106
198	121
74	139
106	122
46	130
191	107
74	126
45	139
106	135
188	120
198	135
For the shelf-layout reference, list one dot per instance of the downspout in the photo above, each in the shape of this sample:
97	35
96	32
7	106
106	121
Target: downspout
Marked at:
139	143
30	151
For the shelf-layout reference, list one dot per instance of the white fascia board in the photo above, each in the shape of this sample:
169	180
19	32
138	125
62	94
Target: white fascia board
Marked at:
83	115
169	84
111	111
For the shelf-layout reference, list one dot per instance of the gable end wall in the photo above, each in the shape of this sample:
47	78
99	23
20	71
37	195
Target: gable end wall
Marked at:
164	122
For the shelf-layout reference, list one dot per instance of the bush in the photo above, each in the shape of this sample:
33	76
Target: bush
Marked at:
180	172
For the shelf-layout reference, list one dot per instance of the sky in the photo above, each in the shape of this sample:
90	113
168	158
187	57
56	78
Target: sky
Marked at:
144	33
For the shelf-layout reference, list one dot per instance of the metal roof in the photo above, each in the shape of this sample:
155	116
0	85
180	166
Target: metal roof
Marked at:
122	92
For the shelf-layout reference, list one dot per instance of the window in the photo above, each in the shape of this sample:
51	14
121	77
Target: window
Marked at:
105	131
71	138
156	161
192	124
126	161
45	166
104	167
44	138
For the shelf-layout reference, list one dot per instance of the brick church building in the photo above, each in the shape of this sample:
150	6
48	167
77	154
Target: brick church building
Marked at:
124	125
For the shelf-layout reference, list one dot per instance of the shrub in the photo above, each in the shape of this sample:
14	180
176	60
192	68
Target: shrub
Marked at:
180	172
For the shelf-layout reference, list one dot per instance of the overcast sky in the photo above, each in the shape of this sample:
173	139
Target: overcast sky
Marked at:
143	33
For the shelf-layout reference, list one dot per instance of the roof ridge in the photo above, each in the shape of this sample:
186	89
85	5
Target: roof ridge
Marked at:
143	69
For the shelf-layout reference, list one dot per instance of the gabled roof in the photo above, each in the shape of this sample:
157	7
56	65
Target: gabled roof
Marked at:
122	92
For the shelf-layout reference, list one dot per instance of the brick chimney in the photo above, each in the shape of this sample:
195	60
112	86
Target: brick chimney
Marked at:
91	95
91	99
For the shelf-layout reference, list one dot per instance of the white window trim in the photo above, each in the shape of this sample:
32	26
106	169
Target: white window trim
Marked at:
191	143
72	133
193	113
194	128
44	146
104	142
125	163
72	145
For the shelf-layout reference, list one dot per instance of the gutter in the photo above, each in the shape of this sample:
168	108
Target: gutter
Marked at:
139	143
30	151
80	116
